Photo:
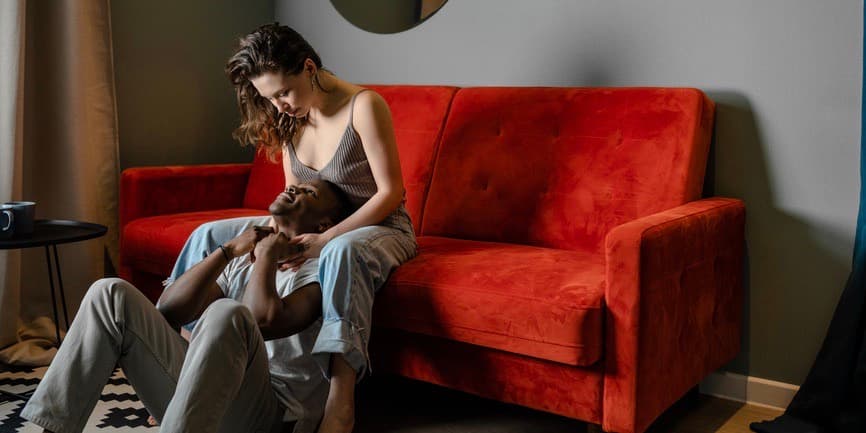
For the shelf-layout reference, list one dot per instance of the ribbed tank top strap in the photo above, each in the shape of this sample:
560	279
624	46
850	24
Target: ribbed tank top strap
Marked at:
352	106
306	174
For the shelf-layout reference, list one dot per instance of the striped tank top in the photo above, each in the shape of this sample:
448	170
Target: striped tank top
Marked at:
350	171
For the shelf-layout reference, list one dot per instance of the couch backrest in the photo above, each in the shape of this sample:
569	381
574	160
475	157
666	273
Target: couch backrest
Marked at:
418	114
559	167
265	182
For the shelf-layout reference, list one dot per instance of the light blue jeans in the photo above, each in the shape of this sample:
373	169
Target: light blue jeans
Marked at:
352	268
207	237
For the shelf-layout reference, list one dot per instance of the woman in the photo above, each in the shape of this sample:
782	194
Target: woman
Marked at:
330	129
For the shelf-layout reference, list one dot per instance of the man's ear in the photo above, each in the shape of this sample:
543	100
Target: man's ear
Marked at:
324	225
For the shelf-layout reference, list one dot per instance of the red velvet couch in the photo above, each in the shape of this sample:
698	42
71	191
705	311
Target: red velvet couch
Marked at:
567	262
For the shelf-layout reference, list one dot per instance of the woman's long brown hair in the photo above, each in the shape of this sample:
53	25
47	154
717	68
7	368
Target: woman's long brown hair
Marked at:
270	48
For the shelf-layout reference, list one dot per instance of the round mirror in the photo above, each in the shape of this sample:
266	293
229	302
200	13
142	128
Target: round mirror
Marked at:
387	16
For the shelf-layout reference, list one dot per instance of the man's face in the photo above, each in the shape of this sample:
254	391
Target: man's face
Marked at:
305	206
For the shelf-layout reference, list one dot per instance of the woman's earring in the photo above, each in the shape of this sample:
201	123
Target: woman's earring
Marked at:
312	86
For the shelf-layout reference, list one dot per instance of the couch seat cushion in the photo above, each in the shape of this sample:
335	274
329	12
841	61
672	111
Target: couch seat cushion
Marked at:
152	244
539	302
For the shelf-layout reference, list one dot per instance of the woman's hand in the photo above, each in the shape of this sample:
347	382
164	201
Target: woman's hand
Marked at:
309	247
247	240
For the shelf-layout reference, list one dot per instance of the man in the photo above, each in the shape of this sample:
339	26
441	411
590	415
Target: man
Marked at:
226	378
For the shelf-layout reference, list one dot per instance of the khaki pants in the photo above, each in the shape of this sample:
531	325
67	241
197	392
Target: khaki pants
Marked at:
218	382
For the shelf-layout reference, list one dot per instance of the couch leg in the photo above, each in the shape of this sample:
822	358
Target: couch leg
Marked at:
593	428
689	400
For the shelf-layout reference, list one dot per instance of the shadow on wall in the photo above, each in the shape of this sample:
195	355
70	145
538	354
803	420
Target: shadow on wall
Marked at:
789	270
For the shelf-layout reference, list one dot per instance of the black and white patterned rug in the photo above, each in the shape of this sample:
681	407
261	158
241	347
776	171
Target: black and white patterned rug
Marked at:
118	409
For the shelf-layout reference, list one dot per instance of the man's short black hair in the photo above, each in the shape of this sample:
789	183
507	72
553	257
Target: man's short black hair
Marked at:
342	207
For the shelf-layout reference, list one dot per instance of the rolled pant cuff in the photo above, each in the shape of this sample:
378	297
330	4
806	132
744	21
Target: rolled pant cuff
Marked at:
46	422
342	337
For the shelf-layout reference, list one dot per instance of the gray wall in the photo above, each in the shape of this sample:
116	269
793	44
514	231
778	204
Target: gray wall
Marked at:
174	103
786	75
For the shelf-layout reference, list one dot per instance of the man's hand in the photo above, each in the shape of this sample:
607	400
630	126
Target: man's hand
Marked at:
247	240
276	248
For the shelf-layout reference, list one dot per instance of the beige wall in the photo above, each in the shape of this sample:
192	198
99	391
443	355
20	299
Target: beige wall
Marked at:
174	103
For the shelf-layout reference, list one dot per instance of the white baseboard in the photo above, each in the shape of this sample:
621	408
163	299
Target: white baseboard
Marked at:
748	389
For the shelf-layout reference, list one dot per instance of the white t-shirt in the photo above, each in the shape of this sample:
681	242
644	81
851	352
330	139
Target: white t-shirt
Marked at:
297	380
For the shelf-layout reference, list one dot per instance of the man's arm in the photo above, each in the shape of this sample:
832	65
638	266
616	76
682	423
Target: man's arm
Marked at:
279	317
188	297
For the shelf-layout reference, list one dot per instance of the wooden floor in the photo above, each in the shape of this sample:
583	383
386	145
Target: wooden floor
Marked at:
395	405
710	414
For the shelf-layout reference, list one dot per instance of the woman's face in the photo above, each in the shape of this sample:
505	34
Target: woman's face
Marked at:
291	94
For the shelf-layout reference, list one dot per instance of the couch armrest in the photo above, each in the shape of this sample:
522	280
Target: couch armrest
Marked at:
674	307
149	191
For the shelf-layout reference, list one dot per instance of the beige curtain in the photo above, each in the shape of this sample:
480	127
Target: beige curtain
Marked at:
59	150
11	118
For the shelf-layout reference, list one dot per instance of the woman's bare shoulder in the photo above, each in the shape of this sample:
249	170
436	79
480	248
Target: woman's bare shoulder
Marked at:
373	124
371	106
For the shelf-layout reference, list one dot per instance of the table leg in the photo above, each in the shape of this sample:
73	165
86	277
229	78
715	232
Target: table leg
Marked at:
53	296
60	286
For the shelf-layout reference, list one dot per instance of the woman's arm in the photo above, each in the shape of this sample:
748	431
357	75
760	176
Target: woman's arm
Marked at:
372	121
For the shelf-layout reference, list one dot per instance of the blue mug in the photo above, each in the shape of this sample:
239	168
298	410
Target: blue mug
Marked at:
24	213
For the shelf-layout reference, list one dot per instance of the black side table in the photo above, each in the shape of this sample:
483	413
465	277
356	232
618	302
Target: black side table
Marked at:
50	233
